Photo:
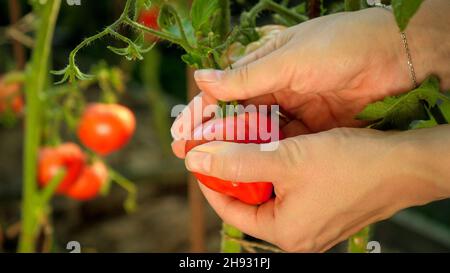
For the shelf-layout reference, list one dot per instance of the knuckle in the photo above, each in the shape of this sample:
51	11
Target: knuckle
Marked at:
290	152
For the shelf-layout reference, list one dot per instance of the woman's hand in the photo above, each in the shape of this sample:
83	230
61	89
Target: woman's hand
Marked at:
328	185
325	71
322	73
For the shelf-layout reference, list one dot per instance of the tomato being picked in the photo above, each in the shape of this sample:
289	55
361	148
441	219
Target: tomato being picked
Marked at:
106	128
254	126
67	156
90	182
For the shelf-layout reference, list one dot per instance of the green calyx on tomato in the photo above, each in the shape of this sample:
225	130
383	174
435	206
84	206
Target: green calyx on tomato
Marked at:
106	128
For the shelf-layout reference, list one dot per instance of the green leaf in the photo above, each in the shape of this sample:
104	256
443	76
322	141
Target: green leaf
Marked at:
192	59
444	106
352	5
404	10
166	18
71	73
420	124
399	111
132	51
201	13
188	30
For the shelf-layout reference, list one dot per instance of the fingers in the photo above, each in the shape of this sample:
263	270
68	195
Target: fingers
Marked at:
236	162
256	221
190	117
261	52
266	75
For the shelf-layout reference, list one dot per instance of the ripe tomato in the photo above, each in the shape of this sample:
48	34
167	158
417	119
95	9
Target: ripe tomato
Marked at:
89	183
10	97
149	18
105	128
254	193
51	159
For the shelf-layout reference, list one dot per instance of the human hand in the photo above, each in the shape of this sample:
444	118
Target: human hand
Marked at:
328	185
322	73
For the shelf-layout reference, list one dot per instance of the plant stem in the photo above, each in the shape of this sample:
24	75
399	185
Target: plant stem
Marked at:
35	84
130	202
49	190
179	24
225	22
163	35
358	242
228	245
284	11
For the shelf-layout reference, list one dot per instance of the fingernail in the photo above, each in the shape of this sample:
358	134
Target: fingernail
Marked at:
208	75
175	130
178	148
198	162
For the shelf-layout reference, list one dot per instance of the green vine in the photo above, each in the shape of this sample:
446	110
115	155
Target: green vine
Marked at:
35	83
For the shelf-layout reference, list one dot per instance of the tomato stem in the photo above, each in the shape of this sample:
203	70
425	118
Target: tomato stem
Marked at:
228	245
358	242
50	189
130	187
34	85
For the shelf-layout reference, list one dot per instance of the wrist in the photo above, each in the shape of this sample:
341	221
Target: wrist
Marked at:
429	43
421	159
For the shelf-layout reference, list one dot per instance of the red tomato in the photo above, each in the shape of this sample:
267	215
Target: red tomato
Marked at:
51	159
89	183
10	97
149	18
251	193
105	128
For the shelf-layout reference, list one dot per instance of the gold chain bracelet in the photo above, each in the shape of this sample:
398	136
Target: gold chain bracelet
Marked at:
412	72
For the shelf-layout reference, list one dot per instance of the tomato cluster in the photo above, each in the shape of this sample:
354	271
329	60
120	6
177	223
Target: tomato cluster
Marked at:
103	128
81	181
10	97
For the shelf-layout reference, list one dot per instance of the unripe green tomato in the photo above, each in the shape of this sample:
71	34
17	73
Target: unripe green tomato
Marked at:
237	50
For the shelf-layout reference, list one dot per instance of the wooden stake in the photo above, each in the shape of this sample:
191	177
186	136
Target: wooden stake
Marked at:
196	199
15	13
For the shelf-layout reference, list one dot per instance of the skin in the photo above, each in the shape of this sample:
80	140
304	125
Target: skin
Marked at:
329	181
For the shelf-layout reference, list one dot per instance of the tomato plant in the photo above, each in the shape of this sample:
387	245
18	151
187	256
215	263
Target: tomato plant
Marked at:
105	128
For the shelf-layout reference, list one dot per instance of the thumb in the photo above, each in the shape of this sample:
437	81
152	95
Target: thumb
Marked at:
237	162
254	77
